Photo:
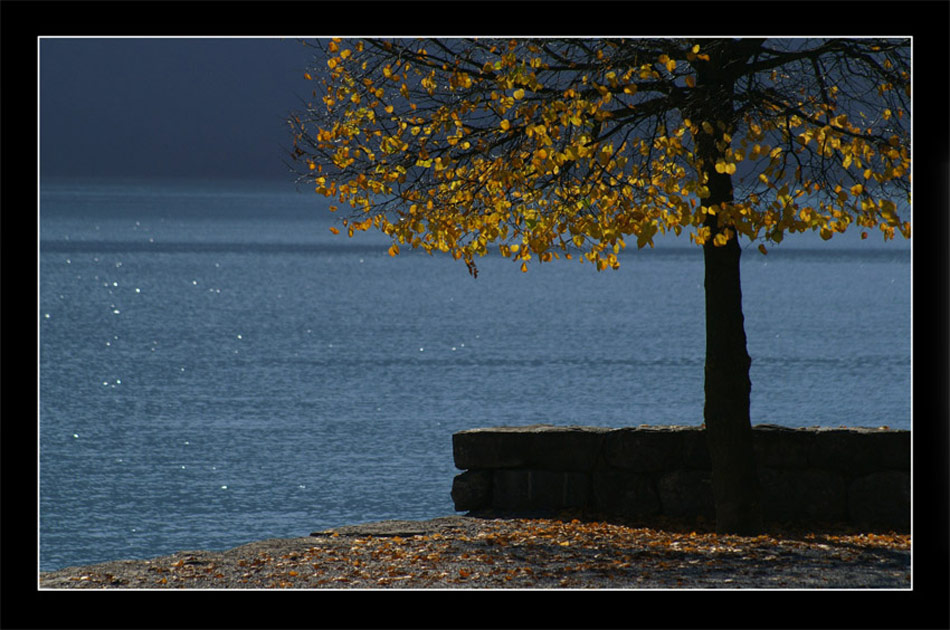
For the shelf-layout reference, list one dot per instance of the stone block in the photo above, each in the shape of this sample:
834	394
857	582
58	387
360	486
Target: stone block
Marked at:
810	495
811	476
881	500
686	494
539	490
538	446
695	449
782	447
624	493
472	490
645	449
858	451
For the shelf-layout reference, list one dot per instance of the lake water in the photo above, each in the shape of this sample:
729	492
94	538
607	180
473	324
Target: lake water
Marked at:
216	367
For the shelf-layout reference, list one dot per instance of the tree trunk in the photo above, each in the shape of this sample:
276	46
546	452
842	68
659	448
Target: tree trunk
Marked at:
728	426
727	385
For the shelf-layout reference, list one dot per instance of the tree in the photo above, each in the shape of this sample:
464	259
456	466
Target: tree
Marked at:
551	148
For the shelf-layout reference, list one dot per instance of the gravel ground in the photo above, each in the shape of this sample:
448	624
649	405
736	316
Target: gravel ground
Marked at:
461	552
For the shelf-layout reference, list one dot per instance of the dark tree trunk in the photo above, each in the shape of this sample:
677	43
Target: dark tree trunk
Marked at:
728	425
727	385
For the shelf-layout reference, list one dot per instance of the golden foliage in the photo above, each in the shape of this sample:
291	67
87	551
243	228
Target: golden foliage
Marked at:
482	153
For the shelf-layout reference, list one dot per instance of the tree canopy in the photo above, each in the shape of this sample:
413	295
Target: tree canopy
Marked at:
554	147
573	147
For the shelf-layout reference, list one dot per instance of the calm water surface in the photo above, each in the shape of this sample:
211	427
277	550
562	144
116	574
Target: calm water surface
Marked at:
216	367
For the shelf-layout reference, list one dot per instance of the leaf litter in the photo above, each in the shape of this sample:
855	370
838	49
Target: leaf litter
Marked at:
523	553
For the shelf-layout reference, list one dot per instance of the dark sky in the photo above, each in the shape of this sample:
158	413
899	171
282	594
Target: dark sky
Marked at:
206	108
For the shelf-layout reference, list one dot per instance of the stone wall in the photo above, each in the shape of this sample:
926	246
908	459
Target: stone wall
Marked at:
807	476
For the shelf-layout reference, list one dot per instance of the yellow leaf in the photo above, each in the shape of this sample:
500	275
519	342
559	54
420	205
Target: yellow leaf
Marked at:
519	93
707	127
334	230
394	250
857	189
702	235
307	76
725	167
691	81
763	249
524	267
505	125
